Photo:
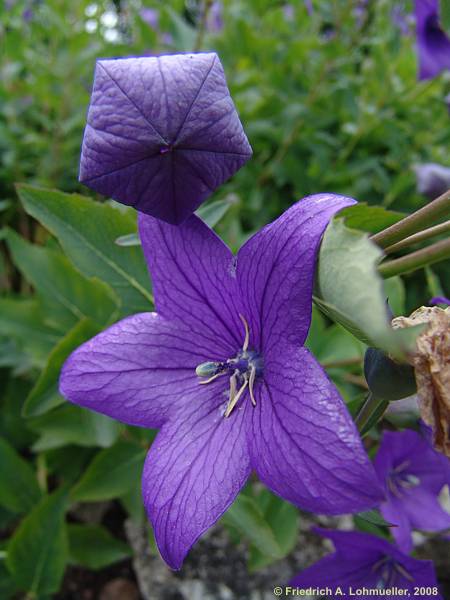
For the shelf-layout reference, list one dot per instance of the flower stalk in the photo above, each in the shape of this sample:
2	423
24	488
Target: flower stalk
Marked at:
416	260
422	218
421	236
371	411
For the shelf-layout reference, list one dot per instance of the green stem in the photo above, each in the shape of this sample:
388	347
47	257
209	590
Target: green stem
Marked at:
372	409
416	260
419	237
429	214
202	28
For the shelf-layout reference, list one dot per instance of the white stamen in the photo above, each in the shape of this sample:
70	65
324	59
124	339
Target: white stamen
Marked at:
235	400
252	383
247	334
212	378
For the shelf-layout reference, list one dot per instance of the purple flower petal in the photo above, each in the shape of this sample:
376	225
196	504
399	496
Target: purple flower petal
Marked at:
432	179
439	300
303	442
363	560
162	133
137	371
433	44
275	270
192	276
194	470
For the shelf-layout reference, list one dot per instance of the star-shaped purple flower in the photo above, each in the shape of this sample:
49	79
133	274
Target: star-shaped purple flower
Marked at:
162	133
413	475
433	44
220	368
365	561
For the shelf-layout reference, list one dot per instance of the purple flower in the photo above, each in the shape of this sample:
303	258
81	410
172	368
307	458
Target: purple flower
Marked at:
220	368
150	16
402	19
439	300
366	562
214	22
360	11
413	474
162	133
433	44
432	179
447	102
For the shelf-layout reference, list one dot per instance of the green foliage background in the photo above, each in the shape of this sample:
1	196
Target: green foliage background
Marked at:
329	102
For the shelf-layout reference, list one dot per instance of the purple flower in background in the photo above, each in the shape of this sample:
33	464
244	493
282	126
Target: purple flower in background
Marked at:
413	474
214	22
432	179
150	16
162	133
433	44
365	561
28	14
447	102
220	368
309	6
360	11
402	20
289	12
439	300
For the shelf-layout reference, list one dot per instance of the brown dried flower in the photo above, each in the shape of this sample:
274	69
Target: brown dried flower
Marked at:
431	362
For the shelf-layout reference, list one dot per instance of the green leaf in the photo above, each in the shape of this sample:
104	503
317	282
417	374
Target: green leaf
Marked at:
19	491
86	230
445	15
374	517
67	295
69	424
22	320
245	516
38	550
132	503
8	587
213	212
283	519
369	218
433	283
394	288
93	547
44	394
111	474
351	292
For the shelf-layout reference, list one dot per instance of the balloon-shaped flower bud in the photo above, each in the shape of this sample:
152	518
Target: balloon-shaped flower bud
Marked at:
162	133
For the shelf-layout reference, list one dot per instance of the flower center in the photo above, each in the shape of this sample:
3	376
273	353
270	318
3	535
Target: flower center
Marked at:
165	149
388	570
399	481
243	370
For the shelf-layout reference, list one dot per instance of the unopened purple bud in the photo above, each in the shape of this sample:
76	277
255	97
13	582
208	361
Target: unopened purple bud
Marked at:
432	179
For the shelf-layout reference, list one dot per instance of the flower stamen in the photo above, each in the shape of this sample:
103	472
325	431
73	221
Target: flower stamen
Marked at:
234	400
244	369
